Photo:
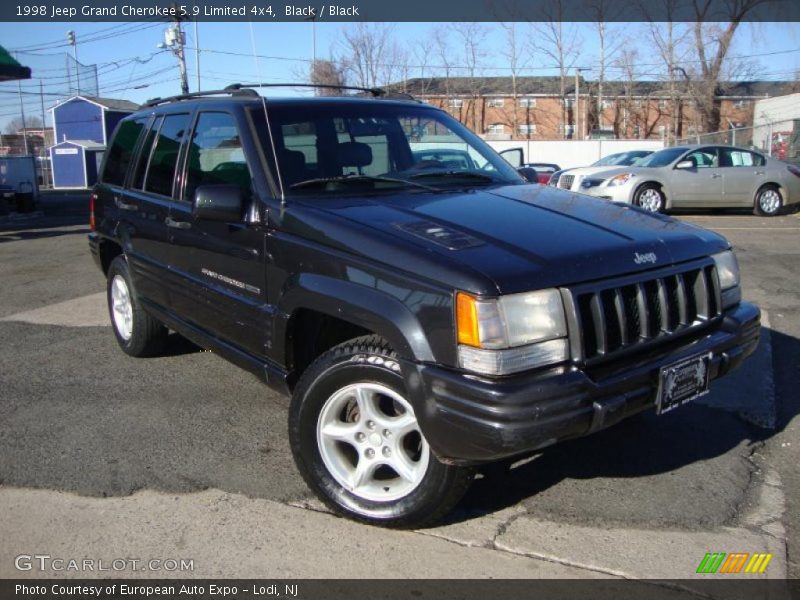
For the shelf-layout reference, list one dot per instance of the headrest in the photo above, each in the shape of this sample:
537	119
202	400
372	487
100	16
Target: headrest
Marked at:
354	154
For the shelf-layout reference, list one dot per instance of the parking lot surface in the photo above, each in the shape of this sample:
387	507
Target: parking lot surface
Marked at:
86	431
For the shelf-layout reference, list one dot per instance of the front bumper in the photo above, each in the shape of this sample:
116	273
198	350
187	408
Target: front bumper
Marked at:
469	419
617	193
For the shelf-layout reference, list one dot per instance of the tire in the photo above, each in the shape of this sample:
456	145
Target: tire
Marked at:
331	439
650	198
137	333
768	201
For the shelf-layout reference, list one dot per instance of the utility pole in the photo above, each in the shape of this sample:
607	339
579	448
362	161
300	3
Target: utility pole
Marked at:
45	169
22	114
576	111
73	42
175	40
197	54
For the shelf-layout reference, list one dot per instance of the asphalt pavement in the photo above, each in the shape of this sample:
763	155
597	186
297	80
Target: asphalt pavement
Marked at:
87	431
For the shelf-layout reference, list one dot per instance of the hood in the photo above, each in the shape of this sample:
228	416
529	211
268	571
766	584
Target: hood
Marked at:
520	237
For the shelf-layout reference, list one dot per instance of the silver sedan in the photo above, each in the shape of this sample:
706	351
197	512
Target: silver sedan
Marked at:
701	177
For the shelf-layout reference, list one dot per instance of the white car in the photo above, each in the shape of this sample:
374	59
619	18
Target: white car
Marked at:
570	179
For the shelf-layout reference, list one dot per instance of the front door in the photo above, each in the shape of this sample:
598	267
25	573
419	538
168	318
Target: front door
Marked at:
700	185
221	264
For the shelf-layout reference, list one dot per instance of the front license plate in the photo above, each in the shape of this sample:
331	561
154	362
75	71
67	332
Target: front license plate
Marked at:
682	382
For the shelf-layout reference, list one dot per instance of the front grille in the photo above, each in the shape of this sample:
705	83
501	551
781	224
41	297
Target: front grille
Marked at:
565	181
616	316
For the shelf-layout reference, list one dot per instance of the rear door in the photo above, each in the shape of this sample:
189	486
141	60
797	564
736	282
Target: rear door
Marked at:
144	207
220	264
744	173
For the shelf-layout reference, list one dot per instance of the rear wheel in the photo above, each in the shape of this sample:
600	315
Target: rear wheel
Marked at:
137	333
356	440
650	197
769	201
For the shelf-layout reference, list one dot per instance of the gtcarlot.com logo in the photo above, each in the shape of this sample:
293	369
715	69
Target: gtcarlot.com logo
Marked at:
733	563
45	562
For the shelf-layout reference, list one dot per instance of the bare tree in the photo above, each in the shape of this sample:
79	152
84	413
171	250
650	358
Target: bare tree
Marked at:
559	43
444	53
15	124
514	55
609	43
672	42
421	53
327	72
471	37
712	41
368	53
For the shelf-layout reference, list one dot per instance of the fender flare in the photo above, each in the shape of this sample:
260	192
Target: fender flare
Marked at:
367	307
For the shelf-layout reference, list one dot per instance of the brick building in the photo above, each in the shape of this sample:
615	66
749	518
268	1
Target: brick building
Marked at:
538	108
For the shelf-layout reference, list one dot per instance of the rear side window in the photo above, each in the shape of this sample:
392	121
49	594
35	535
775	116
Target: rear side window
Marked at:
121	152
144	154
164	159
216	154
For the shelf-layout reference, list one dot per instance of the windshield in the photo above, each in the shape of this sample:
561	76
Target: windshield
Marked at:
623	159
661	158
363	147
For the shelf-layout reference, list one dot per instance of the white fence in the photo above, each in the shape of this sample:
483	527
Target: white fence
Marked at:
578	153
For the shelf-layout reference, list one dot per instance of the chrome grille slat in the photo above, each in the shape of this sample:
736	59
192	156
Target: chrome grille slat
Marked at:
617	316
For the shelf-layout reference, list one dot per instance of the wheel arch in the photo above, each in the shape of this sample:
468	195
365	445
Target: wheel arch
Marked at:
332	311
660	185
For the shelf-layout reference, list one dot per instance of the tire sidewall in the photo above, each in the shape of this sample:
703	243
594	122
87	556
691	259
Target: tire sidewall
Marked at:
119	266
314	389
642	190
761	211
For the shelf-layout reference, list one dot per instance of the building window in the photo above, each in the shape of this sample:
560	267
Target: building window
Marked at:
527	102
604	104
662	131
495	102
740	104
456	102
527	129
662	103
495	129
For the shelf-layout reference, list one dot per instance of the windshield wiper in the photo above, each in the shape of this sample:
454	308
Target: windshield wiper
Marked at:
321	181
453	175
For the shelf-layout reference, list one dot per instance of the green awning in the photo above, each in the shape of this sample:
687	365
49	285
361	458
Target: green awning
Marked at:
10	69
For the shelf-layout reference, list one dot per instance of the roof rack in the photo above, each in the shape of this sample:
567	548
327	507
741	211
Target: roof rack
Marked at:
228	92
375	92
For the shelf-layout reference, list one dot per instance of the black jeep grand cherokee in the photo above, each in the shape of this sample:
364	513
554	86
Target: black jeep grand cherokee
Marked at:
425	316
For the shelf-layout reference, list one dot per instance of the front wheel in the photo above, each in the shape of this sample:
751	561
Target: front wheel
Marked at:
357	443
650	197
768	201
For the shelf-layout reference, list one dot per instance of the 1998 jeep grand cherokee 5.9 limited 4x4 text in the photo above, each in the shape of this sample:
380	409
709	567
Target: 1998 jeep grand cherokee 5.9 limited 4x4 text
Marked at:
425	316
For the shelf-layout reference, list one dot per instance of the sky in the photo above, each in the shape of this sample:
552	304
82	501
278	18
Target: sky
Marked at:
131	66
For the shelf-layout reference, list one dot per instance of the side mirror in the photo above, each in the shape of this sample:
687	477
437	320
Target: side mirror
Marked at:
514	156
529	173
218	202
685	164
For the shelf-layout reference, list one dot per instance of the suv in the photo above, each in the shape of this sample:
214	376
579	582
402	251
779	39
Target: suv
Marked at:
425	318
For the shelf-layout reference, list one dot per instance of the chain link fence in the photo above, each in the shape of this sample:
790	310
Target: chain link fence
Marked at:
779	139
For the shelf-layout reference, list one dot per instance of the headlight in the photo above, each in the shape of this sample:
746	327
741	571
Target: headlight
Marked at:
621	179
728	273
511	333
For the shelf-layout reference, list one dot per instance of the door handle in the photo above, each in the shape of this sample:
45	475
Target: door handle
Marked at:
715	176
760	172
177	224
124	205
